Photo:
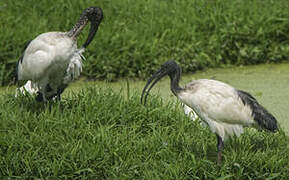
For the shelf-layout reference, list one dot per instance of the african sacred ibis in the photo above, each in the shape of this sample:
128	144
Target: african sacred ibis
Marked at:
52	60
224	109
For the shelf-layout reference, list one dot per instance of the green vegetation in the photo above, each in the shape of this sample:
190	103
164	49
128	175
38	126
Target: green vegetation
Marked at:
101	134
102	131
267	82
136	36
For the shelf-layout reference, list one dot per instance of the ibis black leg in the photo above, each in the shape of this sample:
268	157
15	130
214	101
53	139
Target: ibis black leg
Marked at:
59	91
39	97
220	147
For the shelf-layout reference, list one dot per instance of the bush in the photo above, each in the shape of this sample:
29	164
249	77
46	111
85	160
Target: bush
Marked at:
136	36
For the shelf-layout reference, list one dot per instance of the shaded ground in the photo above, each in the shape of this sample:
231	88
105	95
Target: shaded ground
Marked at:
269	83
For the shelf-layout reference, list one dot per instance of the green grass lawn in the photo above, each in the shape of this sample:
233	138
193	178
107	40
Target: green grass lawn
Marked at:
101	131
134	38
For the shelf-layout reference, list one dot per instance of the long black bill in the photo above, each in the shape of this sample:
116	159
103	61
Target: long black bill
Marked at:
155	78
92	32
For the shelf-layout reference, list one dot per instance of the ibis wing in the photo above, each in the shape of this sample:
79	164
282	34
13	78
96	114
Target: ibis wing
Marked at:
217	101
20	60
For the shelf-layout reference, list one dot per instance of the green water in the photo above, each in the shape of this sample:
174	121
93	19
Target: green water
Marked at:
269	83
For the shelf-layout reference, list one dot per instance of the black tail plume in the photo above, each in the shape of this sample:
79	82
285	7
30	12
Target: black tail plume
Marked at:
264	119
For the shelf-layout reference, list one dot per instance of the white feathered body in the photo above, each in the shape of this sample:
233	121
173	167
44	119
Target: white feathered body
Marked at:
190	112
219	106
51	58
192	115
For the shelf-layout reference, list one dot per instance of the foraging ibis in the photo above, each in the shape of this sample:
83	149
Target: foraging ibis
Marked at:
52	60
224	109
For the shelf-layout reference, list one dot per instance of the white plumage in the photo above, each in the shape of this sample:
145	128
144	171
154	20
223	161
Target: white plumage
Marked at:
190	112
52	60
224	109
75	66
72	72
219	106
192	115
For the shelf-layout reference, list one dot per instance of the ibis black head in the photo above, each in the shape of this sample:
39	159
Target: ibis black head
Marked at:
170	68
95	16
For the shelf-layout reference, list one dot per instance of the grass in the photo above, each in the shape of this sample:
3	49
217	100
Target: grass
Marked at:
268	83
100	131
135	37
101	134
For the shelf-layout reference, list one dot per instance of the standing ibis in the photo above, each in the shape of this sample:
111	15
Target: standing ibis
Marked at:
224	109
52	60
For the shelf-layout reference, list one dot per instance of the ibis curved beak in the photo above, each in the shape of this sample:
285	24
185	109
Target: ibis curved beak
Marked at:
154	79
92	32
95	21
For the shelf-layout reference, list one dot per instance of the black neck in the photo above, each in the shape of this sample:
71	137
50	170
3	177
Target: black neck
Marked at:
77	28
175	79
